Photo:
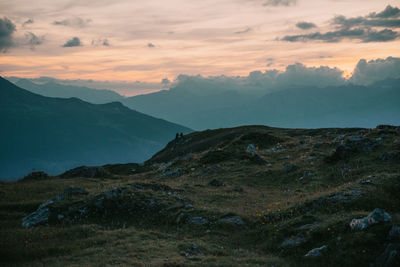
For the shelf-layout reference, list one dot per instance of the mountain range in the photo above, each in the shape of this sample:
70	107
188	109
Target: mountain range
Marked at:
55	134
345	105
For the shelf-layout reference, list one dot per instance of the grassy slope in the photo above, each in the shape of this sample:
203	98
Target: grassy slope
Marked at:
273	203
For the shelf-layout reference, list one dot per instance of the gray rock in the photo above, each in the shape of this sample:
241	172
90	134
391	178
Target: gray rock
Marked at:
375	217
293	241
316	252
43	213
252	149
172	173
40	216
196	220
231	220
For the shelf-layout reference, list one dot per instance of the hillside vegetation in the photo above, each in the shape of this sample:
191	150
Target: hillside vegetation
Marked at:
252	195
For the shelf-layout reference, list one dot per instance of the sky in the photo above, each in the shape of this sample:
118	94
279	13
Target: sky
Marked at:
147	41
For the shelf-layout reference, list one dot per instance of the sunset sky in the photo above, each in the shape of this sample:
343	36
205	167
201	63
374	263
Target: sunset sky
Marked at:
130	40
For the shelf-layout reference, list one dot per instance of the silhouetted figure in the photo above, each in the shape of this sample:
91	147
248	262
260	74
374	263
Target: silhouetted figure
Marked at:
176	136
181	135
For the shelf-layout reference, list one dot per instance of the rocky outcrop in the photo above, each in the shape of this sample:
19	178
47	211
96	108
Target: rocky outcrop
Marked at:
316	252
133	203
375	217
87	172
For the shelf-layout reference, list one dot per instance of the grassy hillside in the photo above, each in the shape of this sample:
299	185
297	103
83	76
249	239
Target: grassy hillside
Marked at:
253	195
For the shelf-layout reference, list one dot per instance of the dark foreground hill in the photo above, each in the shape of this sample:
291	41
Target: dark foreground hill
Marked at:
55	134
253	196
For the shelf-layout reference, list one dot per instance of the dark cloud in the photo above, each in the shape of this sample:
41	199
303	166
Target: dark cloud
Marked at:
342	21
150	45
7	29
75	22
34	40
29	21
248	29
280	2
367	72
389	12
364	35
305	25
73	42
363	28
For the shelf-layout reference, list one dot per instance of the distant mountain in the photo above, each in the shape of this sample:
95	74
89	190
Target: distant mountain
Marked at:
52	89
55	134
302	107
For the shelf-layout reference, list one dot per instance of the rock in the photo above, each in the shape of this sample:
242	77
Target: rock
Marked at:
88	172
137	202
353	145
172	173
293	241
196	220
43	213
390	257
289	167
216	183
316	252
366	182
35	175
308	173
231	220
252	149
394	233
375	217
40	216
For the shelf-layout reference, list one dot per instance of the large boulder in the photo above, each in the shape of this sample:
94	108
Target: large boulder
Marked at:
44	212
375	217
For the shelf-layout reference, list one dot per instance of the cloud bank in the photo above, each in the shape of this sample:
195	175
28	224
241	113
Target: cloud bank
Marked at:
7	29
363	28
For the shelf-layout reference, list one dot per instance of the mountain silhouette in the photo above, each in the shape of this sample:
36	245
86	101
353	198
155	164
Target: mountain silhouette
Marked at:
55	134
53	89
302	107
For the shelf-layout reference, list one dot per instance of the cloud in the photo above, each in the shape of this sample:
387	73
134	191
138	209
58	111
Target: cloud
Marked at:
305	25
363	28
389	12
364	35
75	22
342	21
280	3
75	41
367	72
29	21
7	29
248	29
34	40
257	82
100	42
150	45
